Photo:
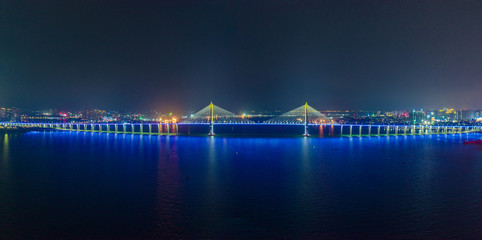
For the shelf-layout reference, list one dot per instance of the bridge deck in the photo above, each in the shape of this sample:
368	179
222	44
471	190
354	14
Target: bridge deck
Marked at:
344	130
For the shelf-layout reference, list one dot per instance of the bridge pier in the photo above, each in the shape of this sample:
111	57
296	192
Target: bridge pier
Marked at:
378	131
369	130
360	130
211	129
306	134
351	129
159	129
341	131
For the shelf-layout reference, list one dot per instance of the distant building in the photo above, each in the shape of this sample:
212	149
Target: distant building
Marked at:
9	114
3	114
468	115
417	117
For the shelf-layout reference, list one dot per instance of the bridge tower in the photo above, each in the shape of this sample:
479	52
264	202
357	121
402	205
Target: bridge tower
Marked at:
211	123
306	134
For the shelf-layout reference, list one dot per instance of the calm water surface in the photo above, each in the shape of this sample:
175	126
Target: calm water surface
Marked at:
61	185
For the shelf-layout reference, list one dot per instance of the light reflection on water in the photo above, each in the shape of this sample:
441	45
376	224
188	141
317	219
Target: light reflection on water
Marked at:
130	186
4	160
5	148
5	200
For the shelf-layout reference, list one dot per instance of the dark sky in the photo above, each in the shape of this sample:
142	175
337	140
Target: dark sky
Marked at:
169	55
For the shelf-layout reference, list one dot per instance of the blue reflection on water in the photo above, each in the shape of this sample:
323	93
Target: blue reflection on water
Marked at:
91	185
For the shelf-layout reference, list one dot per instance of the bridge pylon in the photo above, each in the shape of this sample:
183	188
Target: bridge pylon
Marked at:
211	122
306	134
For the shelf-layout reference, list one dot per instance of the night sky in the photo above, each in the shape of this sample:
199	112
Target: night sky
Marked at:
260	55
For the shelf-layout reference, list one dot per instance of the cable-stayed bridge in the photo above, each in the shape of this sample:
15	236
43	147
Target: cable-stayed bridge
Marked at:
215	114
302	115
304	118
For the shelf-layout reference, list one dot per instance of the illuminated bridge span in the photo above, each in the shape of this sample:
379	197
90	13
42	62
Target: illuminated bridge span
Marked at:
303	118
324	129
125	128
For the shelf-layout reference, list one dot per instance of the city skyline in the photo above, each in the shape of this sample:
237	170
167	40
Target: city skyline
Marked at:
444	116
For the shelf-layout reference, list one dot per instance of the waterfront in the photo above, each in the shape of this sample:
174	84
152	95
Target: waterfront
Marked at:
78	185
